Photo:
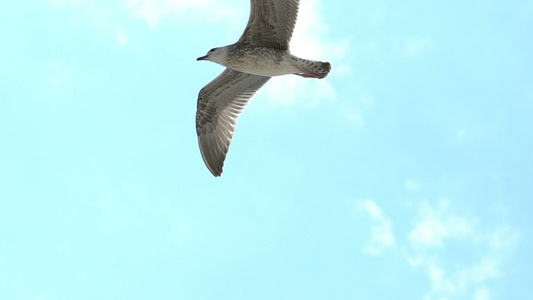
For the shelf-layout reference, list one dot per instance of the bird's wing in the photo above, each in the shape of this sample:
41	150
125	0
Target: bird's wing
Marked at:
271	23
219	105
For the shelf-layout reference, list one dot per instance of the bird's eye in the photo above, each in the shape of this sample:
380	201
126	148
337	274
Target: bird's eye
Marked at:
212	50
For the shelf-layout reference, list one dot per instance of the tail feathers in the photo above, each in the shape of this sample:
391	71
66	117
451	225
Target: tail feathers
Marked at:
313	69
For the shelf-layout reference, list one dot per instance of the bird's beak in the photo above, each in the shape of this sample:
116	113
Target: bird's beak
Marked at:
202	58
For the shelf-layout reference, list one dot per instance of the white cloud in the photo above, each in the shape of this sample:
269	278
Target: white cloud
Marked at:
453	274
437	225
485	269
100	12
459	255
101	15
153	11
482	294
382	236
71	3
439	279
503	238
453	282
291	90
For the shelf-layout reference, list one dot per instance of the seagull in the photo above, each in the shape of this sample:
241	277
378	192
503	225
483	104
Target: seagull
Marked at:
260	53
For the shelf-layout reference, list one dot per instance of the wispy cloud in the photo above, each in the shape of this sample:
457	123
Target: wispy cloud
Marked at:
71	3
456	274
153	11
435	226
457	252
482	294
382	237
100	15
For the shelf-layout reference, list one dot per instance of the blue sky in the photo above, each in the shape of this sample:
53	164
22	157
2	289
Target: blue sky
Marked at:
405	174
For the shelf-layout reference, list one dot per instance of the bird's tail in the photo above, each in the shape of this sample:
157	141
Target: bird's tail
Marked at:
312	68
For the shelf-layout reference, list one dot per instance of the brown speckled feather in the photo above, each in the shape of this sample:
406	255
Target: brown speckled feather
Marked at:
271	23
219	105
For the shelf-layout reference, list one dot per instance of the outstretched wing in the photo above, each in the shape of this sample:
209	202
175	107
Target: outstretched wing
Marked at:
271	23
219	105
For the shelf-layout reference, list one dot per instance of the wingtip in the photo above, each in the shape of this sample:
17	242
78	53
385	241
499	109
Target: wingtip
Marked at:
214	165
215	170
215	173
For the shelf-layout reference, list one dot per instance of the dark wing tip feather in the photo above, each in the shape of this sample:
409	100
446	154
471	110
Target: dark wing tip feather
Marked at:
213	162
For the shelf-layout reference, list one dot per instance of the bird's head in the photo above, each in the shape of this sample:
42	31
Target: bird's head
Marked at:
217	55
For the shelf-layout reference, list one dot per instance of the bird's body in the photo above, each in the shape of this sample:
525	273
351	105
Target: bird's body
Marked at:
261	52
265	61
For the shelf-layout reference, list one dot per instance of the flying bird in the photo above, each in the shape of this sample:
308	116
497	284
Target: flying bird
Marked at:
261	52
